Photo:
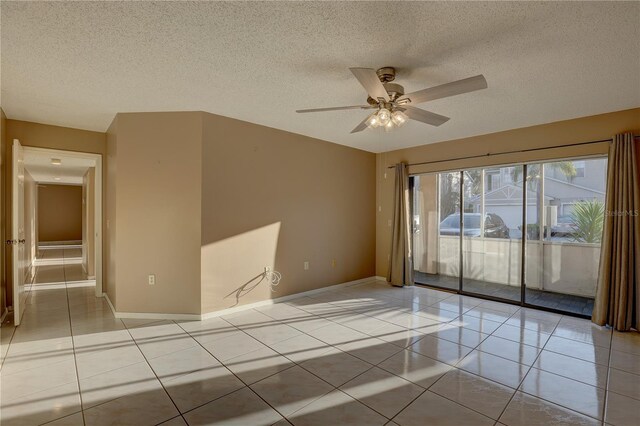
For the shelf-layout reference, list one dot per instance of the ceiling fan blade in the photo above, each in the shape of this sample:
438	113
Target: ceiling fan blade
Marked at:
449	89
360	127
336	108
371	83
424	116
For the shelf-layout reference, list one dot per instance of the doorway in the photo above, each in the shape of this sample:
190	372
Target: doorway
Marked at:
56	223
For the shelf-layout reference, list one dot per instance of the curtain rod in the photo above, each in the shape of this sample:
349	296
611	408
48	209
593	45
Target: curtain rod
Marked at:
488	154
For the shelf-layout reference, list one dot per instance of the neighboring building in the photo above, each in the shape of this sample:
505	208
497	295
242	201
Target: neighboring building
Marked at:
503	195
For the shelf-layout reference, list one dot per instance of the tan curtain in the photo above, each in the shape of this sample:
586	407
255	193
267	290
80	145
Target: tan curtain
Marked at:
401	265
618	293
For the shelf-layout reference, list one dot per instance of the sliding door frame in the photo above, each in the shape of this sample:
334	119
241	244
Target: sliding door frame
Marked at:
461	236
523	251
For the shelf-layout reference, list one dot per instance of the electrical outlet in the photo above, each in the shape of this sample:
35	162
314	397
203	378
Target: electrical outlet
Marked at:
267	268
306	266
389	222
152	279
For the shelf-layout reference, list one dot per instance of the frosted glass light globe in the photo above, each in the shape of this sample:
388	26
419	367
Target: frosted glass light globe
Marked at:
384	115
372	121
399	118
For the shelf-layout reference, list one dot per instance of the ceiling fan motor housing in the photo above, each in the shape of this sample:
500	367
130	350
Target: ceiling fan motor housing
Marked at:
386	74
393	89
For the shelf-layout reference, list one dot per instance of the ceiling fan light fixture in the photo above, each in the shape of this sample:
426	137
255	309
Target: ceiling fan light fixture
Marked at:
384	116
372	121
389	126
399	118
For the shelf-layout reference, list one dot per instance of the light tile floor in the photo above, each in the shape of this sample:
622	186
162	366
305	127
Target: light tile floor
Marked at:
368	354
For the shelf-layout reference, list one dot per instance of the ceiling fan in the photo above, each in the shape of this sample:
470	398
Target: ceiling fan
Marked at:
394	107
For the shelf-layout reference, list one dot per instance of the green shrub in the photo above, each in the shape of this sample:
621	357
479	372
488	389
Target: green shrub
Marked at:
588	220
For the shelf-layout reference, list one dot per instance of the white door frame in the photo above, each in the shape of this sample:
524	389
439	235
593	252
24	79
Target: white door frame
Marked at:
97	158
17	231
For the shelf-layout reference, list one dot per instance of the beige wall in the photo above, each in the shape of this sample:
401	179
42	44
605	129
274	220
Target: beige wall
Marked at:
492	148
189	189
56	137
3	214
88	222
278	199
156	194
59	213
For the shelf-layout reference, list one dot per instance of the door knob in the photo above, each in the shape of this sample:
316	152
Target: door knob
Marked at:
22	241
9	242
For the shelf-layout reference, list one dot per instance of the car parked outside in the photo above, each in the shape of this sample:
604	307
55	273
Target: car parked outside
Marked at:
494	226
564	227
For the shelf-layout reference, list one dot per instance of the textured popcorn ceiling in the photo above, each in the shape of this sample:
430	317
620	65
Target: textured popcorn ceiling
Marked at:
77	64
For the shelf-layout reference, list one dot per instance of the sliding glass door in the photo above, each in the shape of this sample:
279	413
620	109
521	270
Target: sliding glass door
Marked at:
563	251
436	241
491	243
472	226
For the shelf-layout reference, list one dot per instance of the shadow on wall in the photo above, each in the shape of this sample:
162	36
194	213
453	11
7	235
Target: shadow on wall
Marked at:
233	268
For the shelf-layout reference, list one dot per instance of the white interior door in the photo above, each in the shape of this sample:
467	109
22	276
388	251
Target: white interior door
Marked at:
18	234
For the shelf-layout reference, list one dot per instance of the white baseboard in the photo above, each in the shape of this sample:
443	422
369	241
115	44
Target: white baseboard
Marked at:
59	244
196	317
4	315
379	278
149	315
113	310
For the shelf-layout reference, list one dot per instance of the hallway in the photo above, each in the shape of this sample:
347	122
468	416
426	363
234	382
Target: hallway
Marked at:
364	354
61	304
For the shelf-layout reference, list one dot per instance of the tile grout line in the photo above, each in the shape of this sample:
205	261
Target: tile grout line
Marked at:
81	411
377	365
73	344
14	327
296	364
528	371
456	368
235	375
154	374
532	365
606	390
552	402
408	404
402	348
79	389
